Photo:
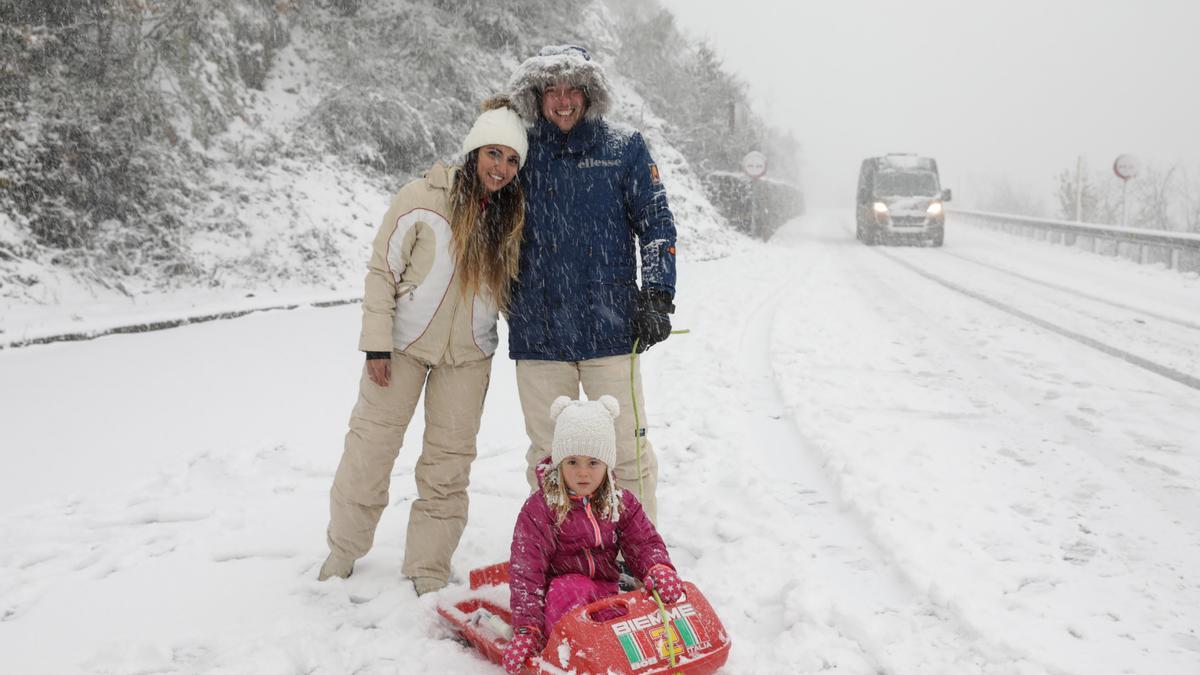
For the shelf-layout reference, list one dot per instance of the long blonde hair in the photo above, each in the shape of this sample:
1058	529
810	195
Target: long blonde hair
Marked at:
487	240
605	501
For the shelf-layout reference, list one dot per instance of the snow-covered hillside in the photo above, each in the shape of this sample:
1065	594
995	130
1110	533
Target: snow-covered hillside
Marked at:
278	141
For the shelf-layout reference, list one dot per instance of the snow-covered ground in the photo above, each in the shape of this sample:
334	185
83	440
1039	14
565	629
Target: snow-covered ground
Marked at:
873	461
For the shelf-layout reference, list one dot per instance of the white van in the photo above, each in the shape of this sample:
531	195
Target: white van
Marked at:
900	199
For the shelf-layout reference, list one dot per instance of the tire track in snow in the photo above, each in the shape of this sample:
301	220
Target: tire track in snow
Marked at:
897	620
1081	516
1156	463
1074	291
1173	374
826	595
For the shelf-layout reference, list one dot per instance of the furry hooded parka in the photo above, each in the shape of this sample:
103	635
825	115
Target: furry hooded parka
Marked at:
560	63
592	194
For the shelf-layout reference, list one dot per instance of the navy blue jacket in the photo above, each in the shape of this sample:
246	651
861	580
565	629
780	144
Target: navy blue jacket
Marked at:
590	197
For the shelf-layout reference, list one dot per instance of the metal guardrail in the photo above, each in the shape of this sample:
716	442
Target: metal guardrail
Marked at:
148	326
1175	250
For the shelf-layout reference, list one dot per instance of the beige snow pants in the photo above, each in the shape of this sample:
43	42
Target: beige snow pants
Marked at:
454	398
540	382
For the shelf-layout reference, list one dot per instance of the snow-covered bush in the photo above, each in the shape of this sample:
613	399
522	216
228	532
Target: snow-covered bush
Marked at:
105	106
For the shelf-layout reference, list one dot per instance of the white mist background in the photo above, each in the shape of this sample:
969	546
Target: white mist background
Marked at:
1016	90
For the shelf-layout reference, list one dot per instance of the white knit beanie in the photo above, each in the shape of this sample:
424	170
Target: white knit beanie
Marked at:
585	428
499	126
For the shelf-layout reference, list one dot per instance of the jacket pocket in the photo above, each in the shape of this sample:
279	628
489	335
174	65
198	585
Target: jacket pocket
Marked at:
405	288
612	304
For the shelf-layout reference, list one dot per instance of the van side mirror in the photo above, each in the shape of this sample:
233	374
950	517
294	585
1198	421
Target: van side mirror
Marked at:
946	195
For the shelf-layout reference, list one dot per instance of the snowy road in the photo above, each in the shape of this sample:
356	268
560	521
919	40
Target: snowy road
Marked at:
891	460
1042	492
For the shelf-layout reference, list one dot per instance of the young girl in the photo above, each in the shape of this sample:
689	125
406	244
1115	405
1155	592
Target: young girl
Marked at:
569	532
438	276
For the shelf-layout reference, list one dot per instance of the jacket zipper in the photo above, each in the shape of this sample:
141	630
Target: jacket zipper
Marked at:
587	509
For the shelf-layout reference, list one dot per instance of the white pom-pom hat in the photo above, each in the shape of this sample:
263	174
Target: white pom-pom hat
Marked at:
499	126
585	428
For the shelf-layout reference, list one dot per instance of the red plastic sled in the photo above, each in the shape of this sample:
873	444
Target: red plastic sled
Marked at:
636	643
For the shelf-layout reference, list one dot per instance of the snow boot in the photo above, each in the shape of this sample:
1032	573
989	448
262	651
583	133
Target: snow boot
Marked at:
335	567
423	585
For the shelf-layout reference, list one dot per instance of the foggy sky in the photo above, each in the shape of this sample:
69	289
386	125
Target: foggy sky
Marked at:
1017	89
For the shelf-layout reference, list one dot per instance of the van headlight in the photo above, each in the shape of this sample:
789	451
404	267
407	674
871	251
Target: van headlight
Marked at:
879	207
935	209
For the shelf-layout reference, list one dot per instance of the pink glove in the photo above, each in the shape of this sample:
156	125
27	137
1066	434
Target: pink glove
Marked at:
663	579
525	643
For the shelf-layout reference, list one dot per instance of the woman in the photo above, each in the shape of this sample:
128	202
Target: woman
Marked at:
438	276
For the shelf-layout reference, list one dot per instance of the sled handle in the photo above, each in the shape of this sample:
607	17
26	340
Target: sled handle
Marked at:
627	601
611	602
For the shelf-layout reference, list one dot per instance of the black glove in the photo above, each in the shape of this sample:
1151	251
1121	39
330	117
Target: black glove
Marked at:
651	323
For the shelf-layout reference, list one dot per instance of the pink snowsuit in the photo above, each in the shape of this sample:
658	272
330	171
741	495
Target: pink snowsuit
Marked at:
555	568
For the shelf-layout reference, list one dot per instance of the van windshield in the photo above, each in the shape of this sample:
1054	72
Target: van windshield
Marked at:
904	184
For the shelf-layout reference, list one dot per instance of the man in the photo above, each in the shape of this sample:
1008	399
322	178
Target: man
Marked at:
593	201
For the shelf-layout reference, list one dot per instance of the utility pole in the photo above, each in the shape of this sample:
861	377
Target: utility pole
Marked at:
1126	167
754	164
1124	203
1079	189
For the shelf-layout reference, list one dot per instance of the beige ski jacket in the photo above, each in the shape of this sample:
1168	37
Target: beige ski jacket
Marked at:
413	302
